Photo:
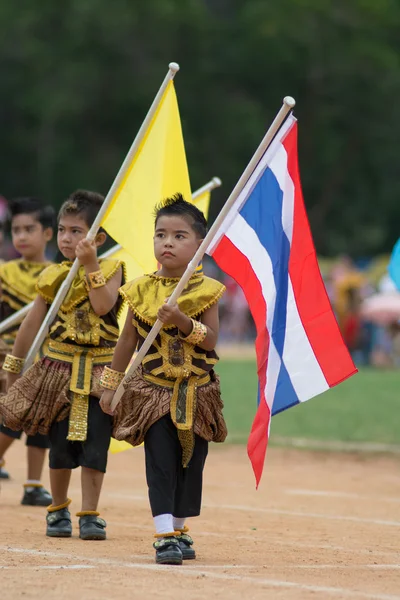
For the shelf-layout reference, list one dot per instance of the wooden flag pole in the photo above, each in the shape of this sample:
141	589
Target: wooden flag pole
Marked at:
288	104
62	292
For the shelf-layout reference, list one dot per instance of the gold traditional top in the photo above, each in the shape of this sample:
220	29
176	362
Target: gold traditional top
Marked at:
18	281
172	362
80	337
146	294
50	280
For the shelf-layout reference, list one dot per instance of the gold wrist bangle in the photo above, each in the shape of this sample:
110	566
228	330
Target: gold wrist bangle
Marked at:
111	379
13	364
197	335
96	279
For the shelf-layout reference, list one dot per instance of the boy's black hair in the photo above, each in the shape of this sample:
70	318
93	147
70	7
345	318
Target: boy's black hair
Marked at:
84	203
176	205
32	206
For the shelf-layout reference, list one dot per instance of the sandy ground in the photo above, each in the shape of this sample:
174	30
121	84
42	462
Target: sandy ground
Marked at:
322	525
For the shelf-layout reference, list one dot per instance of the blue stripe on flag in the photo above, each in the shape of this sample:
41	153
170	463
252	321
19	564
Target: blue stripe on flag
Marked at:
263	213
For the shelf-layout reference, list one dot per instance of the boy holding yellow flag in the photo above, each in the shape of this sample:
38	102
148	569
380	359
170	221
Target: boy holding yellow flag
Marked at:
59	394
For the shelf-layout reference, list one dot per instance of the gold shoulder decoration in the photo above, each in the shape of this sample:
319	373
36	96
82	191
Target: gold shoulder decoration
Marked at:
51	279
18	281
146	294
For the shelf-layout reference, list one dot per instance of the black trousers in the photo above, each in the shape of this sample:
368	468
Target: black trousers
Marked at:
173	489
92	453
37	441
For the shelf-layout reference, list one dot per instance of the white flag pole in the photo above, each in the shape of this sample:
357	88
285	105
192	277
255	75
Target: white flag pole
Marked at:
62	292
288	104
208	187
16	318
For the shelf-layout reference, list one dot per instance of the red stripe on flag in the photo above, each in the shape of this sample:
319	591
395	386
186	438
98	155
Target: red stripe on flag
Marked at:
309	290
258	440
235	264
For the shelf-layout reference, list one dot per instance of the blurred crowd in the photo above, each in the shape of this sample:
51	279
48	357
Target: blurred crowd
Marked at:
363	297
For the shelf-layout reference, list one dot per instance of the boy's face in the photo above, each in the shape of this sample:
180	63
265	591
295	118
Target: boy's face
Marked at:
29	237
71	230
175	244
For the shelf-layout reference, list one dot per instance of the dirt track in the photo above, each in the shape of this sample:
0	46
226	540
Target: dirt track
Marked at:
321	526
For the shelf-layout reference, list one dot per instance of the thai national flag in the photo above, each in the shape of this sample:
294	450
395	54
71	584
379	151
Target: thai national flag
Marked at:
265	244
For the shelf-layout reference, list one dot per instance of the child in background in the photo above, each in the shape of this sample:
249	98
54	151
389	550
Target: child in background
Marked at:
59	394
32	227
173	401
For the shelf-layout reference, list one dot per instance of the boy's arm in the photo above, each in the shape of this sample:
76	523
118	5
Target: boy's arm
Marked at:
210	318
29	328
101	298
126	345
173	315
124	349
104	298
27	333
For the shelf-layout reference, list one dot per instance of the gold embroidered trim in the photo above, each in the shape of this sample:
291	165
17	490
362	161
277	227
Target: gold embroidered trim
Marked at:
13	364
78	417
64	351
197	335
110	378
52	277
82	360
169	383
196	275
163	354
146	294
96	279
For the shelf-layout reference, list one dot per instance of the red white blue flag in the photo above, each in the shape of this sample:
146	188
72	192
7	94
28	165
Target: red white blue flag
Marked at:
265	244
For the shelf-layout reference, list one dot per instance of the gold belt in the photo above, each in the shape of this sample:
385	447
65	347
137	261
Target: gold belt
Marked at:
82	360
183	407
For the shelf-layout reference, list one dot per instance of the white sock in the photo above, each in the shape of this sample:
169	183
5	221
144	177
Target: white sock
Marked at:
163	523
179	522
32	484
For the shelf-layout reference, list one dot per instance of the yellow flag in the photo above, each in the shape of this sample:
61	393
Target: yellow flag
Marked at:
203	203
117	446
157	170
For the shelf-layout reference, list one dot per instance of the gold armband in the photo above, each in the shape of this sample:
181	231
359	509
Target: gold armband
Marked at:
197	335
95	280
13	364
111	379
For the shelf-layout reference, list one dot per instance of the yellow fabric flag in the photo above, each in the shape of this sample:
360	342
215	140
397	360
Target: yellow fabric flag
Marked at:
203	203
157	170
117	446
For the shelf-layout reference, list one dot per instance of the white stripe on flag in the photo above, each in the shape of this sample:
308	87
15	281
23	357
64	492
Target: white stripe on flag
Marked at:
279	168
246	241
304	371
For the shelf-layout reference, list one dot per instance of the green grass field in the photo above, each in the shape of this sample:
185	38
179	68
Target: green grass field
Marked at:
365	408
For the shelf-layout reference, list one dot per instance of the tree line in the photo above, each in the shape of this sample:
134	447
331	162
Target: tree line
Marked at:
77	78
